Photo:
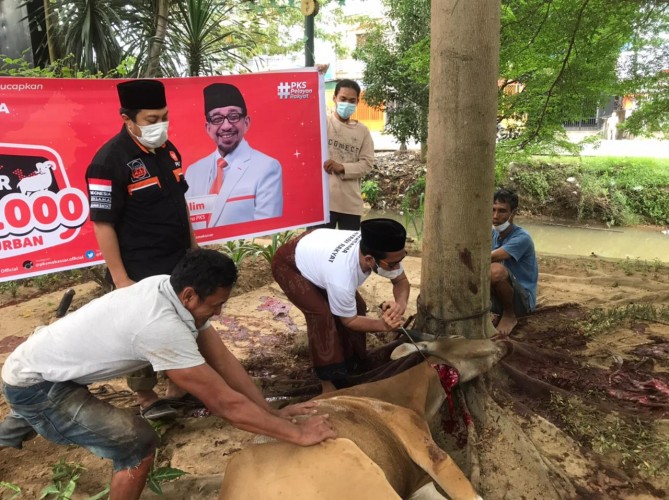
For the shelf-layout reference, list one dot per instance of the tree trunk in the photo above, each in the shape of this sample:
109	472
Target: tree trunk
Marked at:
455	288
49	17
455	273
158	40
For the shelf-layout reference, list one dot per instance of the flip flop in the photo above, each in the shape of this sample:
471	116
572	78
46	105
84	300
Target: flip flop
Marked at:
158	410
187	400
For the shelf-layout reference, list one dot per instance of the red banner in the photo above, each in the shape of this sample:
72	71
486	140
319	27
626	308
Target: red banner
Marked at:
50	129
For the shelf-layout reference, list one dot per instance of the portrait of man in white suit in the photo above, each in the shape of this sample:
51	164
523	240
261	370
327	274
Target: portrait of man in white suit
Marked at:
235	183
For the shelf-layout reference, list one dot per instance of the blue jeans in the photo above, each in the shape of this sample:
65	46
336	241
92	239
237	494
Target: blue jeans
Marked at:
67	413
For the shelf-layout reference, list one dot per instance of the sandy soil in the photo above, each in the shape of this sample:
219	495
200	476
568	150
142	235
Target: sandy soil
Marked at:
604	363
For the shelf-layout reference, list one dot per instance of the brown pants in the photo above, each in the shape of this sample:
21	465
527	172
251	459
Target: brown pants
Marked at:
335	350
337	353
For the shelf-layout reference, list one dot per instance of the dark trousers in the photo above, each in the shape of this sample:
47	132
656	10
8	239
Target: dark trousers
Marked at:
335	350
337	353
339	220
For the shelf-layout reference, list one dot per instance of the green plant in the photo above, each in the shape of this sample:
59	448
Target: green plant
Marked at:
267	251
370	191
630	439
414	218
63	481
238	250
11	287
602	320
11	487
161	475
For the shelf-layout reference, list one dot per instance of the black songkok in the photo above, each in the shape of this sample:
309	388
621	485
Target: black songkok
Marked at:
383	235
142	94
221	95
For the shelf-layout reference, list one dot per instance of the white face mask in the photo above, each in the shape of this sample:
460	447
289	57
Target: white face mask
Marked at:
390	274
153	136
502	227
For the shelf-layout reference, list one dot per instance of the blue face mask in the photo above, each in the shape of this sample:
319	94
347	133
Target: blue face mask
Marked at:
345	109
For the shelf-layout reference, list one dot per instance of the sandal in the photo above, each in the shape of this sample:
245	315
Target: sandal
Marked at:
187	400
158	410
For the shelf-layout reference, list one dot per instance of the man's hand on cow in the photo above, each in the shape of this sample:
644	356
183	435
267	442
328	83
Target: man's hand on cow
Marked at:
391	319
307	408
315	429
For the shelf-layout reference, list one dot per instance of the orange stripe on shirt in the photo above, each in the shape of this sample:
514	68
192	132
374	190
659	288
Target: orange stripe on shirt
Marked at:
177	172
143	184
240	198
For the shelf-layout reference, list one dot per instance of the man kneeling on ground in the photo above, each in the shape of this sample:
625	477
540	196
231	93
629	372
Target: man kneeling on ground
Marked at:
514	271
161	321
320	272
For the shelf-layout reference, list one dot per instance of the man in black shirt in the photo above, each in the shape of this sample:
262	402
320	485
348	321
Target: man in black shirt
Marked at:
136	192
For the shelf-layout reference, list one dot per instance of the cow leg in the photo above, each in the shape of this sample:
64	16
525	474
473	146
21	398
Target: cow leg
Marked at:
427	492
414	435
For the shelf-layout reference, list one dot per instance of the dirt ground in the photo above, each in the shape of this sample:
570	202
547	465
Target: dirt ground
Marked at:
588	382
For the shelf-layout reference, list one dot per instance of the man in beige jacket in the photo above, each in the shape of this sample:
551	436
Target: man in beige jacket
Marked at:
351	157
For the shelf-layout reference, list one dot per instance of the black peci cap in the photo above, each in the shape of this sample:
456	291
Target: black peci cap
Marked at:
221	95
142	94
383	235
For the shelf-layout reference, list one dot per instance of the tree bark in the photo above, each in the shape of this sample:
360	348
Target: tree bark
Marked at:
455	273
158	40
49	17
455	285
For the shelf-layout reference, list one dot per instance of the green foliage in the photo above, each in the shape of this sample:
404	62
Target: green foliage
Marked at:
413	207
370	191
630	440
397	58
63	481
238	250
189	37
61	68
604	320
616	191
10	287
267	252
161	475
558	62
11	487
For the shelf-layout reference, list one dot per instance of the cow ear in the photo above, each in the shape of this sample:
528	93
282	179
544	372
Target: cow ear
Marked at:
406	349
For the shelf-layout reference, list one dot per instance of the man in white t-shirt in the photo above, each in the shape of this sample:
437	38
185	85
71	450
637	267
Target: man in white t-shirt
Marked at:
162	321
320	272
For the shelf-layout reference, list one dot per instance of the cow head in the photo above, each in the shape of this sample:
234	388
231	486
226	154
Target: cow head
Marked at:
470	357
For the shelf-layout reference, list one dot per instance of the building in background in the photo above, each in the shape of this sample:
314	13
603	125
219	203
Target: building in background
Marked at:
352	35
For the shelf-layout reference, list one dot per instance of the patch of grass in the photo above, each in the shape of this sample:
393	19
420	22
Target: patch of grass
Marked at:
603	320
64	482
10	287
613	190
15	489
631	440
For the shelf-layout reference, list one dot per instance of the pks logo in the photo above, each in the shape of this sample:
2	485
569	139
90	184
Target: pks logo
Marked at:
38	207
293	90
174	156
138	170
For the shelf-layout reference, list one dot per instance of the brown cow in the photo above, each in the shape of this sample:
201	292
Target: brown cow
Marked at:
384	448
